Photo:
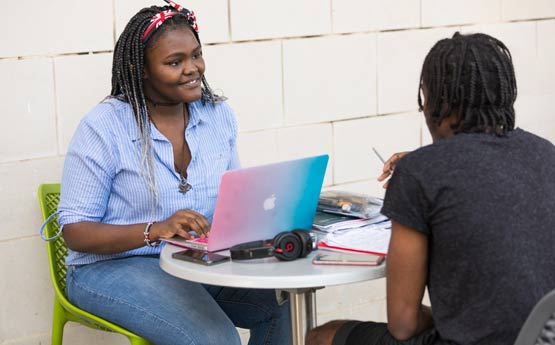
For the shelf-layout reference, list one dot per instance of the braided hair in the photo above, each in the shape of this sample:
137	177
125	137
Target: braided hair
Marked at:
127	77
473	76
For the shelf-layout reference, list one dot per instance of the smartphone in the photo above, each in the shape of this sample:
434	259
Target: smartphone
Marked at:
347	259
200	257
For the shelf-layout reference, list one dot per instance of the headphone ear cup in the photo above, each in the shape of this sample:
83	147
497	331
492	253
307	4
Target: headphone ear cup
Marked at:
278	238
306	242
287	246
276	242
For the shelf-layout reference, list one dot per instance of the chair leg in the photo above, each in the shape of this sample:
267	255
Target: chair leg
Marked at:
59	320
139	341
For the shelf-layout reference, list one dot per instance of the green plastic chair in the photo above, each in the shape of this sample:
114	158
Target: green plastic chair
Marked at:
64	311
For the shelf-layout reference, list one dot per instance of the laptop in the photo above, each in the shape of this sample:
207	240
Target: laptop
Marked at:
259	202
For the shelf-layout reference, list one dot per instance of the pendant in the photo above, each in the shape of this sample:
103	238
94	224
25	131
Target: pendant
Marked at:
184	186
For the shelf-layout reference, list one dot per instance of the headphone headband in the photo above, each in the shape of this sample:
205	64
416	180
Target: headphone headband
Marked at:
284	246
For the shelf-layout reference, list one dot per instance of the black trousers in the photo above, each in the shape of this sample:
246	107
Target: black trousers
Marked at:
374	333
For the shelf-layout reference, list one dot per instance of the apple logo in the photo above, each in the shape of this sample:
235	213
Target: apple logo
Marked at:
270	203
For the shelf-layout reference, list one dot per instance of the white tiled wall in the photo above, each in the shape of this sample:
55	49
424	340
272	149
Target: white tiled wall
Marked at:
304	78
260	147
28	108
366	15
36	28
532	9
400	57
25	276
19	205
254	19
82	81
535	113
450	12
249	74
310	140
329	78
546	56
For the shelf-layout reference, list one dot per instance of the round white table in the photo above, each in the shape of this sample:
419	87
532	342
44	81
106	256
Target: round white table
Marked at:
300	278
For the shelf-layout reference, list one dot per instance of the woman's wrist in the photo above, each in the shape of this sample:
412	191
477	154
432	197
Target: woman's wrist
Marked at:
150	237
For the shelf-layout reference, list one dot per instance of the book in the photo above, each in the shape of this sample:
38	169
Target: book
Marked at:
370	239
331	222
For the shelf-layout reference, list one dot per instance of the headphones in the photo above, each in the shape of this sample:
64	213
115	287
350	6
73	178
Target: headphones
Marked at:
285	246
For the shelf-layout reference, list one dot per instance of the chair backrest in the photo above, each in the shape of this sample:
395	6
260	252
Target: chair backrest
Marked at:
49	196
539	327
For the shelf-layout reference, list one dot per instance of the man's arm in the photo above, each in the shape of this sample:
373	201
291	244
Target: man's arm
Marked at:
407	272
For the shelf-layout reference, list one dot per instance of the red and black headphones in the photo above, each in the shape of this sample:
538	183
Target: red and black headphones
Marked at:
285	246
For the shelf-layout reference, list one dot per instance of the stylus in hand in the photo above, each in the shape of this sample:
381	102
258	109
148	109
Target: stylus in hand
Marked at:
381	158
378	155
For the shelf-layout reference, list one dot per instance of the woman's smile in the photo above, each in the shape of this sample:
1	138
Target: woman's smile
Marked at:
191	83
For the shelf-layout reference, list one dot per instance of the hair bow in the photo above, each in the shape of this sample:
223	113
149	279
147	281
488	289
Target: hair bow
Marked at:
161	17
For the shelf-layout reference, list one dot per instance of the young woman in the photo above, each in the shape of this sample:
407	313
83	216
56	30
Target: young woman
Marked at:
145	164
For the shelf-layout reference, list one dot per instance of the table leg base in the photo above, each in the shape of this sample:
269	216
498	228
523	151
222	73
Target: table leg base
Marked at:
303	313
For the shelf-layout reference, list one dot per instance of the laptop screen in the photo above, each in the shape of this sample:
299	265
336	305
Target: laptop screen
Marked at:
259	202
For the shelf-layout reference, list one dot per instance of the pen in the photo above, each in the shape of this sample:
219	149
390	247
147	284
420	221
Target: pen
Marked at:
378	154
381	158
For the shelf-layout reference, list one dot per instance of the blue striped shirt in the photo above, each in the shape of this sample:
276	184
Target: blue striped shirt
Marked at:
103	181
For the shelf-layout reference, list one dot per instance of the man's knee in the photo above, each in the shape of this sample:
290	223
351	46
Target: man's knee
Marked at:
323	335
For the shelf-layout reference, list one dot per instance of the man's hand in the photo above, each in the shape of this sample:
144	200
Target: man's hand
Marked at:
389	166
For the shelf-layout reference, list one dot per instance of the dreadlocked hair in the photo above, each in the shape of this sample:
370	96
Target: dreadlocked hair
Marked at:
127	78
473	76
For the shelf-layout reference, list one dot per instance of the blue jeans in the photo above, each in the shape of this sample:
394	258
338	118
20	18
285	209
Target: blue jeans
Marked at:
136	294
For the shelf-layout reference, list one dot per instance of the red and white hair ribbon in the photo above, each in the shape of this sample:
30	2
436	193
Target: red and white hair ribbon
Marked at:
189	14
157	20
161	17
192	19
175	5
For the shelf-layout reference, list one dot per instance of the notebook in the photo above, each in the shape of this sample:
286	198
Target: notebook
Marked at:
259	202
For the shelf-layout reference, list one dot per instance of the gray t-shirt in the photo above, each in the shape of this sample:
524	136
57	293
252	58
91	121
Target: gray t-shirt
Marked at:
487	205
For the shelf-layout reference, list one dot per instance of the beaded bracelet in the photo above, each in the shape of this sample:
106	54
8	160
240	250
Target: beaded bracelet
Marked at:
146	233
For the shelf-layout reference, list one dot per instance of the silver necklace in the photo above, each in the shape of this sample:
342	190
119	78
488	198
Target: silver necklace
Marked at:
184	186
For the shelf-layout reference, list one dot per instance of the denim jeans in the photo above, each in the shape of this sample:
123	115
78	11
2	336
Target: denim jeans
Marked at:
136	294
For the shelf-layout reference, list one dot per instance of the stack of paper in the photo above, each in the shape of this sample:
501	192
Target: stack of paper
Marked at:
373	239
330	222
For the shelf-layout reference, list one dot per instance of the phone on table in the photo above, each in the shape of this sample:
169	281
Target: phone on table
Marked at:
337	258
200	257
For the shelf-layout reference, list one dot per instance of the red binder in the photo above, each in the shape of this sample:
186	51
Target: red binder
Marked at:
324	245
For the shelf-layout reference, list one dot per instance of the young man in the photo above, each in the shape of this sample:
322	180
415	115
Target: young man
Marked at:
473	214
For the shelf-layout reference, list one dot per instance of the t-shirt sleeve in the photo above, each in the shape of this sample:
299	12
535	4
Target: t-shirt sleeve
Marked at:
405	201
